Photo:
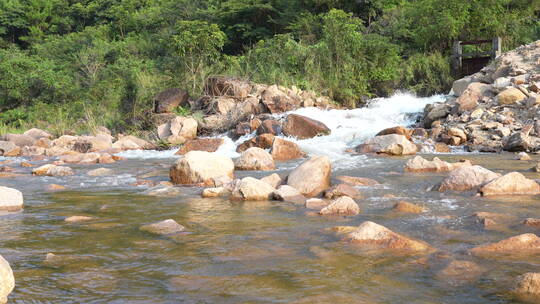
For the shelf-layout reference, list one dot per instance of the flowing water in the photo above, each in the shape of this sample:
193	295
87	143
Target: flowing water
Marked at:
260	252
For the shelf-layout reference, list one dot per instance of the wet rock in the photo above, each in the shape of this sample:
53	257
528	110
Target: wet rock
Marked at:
100	172
78	219
284	150
20	140
517	142
420	164
215	192
130	142
241	129
343	205
370	235
163	191
10	199
287	193
263	141
166	101
510	96
312	177
460	272
527	243
490	220
406	207
201	144
532	222
55	187
357	181
316	203
302	127
527	287
255	159
341	190
523	156
513	183
7	280
467	178
392	144
273	180
199	167
269	126
397	130
168	226
52	170
252	189
435	113
535	168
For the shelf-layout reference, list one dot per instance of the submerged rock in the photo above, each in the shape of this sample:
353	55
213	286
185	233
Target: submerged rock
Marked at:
168	226
303	127
7	280
513	183
527	243
341	190
460	272
312	177
316	203
392	144
467	178
255	159
420	164
532	222
287	193
357	181
10	199
199	167
78	219
100	172
374	236
252	189
163	191
527	287
407	207
343	205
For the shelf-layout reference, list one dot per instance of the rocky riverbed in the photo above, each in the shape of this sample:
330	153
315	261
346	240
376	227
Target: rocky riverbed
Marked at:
295	202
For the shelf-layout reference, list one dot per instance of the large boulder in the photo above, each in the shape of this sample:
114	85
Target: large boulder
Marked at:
10	199
255	159
284	150
7	280
513	183
370	235
420	164
303	127
269	126
392	144
312	177
252	189
343	205
200	167
527	287
510	96
201	144
467	178
527	243
166	101
263	141
20	140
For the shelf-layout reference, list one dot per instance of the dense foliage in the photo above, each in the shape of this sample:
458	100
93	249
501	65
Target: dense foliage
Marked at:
85	63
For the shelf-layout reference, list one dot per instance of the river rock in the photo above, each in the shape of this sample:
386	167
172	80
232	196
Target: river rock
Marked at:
273	180
215	192
517	142
255	159
20	140
527	287
278	101
392	144
166	101
343	205
341	190
302	127
263	141
162	190
510	96
284	150
37	133
168	226
531	222
252	189
198	167
357	181
100	172
513	183
316	203
201	144
130	142
459	86
287	193
406	207
269	126
374	236
7	147
78	219
527	243
10	199
185	127
7	280
467	178
420	164
52	170
458	273
312	177
523	156
397	130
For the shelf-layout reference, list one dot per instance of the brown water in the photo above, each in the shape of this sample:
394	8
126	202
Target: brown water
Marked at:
253	252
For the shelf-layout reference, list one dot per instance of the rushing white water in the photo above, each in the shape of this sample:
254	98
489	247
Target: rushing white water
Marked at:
348	128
